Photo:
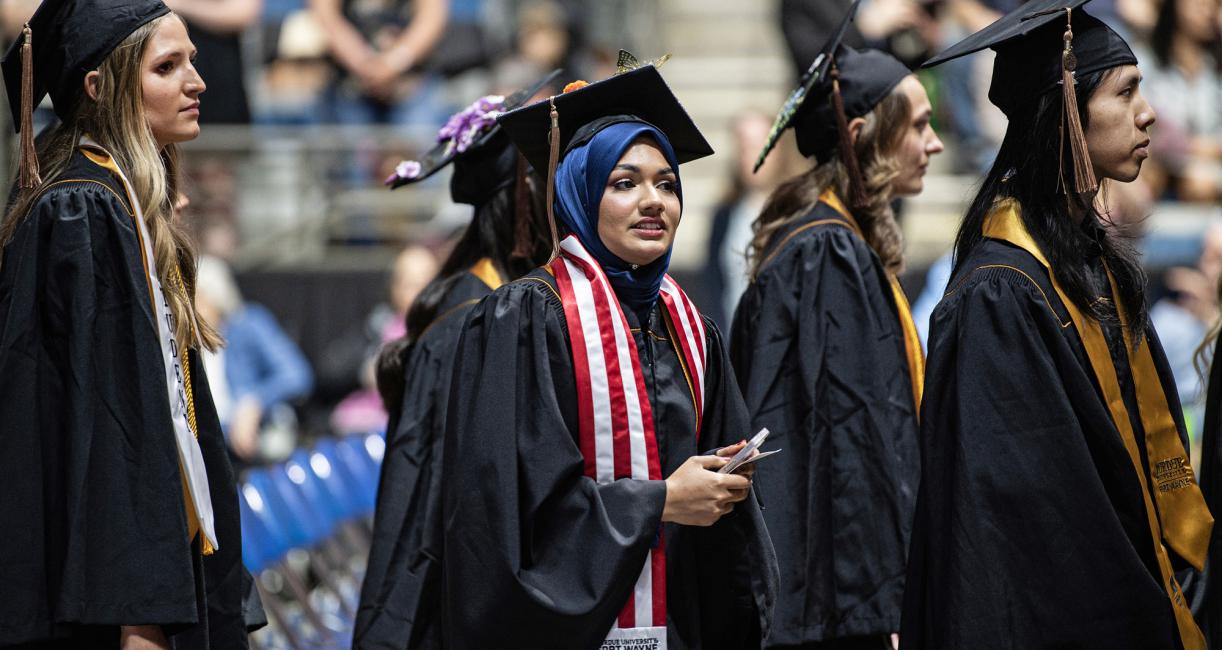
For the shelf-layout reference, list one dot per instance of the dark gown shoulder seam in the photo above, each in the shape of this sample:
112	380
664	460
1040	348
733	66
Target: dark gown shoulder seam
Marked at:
447	314
43	192
542	282
780	247
1031	280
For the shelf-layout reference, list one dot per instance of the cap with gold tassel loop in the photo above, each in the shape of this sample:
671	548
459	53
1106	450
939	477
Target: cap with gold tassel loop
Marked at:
1084	182
553	159
857	193
29	175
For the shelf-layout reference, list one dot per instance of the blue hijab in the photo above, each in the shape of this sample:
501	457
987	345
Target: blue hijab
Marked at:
581	179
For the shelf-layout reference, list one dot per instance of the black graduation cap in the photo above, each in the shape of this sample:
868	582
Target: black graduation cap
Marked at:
483	164
1029	44
69	38
866	77
635	95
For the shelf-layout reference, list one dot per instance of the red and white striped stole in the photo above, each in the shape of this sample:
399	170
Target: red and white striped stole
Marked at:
616	419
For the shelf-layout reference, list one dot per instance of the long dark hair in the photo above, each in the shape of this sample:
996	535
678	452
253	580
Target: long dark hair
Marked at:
495	233
1026	170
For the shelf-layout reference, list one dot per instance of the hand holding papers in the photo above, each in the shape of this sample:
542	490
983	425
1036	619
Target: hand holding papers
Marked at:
744	455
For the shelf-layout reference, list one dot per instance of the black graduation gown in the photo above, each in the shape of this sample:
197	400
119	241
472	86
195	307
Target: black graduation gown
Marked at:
819	352
401	596
92	505
537	554
1031	530
1207	592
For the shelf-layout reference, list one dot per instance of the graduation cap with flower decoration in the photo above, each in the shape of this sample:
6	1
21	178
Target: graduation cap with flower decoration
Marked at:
1043	45
472	135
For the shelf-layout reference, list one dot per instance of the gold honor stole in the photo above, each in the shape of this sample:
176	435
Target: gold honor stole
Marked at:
912	342
194	481
1186	523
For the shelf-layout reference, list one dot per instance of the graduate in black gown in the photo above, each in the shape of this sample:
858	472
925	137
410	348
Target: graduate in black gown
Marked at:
578	510
508	236
1057	506
1206	592
119	507
827	354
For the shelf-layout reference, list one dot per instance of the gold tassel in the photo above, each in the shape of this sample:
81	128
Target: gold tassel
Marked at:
857	194
1083	173
553	158
29	176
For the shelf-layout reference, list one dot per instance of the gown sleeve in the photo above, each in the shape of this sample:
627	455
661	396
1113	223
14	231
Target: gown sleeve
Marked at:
1029	529
534	550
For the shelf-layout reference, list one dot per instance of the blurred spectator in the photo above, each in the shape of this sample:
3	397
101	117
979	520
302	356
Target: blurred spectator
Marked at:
258	372
905	28
295	69
216	28
362	411
1183	82
1183	317
378	47
732	217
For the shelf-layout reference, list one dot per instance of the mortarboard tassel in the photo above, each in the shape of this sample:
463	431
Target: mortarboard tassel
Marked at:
857	195
523	244
29	177
553	159
1083	174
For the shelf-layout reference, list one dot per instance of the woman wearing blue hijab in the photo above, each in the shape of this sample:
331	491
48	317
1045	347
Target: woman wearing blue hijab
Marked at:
579	511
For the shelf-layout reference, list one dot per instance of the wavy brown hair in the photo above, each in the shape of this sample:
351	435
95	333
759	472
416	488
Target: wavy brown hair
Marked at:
875	147
116	121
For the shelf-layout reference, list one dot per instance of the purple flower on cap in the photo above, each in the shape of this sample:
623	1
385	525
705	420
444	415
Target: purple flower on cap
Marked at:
465	126
406	170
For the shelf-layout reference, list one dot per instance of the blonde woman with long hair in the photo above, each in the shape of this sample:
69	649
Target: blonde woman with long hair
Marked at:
119	503
826	352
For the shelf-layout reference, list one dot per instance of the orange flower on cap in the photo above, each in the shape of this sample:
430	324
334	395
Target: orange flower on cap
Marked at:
576	85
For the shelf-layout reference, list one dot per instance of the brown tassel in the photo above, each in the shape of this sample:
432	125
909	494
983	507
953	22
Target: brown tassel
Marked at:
523	242
1085	183
857	193
29	176
553	159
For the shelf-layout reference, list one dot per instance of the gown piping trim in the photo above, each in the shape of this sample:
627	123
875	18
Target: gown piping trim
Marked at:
127	208
1035	284
1190	518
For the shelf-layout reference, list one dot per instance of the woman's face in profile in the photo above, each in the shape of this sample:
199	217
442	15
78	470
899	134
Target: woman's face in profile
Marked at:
170	84
640	209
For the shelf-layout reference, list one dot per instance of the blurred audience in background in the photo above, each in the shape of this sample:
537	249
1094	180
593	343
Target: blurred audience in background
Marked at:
216	28
744	197
362	411
379	48
259	374
1183	80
